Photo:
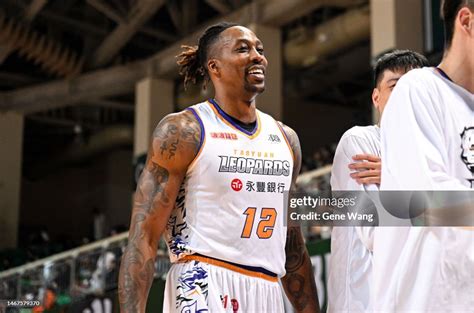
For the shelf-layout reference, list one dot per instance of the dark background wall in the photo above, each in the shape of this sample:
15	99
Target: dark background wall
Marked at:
319	124
63	201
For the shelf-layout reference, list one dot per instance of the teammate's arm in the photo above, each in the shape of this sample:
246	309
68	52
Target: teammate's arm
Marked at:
353	161
174	145
367	169
299	283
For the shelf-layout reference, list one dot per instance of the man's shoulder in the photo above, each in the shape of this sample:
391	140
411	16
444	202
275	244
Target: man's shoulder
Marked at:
361	132
204	105
266	116
358	140
420	91
192	113
418	78
289	133
419	73
183	120
176	140
184	116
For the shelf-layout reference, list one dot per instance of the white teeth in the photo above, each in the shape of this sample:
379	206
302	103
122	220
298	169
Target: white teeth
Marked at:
256	72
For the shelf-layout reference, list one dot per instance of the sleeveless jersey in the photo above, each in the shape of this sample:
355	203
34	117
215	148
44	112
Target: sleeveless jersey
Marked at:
231	204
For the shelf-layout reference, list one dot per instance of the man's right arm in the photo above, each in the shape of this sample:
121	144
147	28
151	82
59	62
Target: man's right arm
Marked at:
175	143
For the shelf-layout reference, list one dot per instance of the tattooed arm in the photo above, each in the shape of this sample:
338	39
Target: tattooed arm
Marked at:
174	145
298	282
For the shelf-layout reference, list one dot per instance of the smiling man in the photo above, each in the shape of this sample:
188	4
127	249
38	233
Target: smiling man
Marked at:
224	228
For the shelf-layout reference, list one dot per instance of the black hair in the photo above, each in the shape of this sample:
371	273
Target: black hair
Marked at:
397	60
449	11
193	59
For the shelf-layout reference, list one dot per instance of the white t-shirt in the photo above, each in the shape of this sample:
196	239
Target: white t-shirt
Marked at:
423	136
351	259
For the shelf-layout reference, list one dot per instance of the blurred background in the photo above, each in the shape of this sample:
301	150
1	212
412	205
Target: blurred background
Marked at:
84	82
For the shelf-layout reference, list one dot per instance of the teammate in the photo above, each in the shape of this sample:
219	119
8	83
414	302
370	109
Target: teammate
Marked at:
213	184
429	269
359	151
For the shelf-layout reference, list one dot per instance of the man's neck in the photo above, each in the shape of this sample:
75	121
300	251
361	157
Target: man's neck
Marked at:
242	110
458	65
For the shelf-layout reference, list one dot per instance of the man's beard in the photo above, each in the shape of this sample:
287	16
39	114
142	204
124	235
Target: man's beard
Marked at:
253	88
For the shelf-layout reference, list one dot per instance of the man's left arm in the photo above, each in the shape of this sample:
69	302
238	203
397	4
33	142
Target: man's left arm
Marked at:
298	283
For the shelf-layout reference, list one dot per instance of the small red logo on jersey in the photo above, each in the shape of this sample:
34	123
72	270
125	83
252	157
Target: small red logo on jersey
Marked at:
229	136
236	184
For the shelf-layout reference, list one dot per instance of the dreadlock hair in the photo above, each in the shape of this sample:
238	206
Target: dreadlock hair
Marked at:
397	60
193	59
449	11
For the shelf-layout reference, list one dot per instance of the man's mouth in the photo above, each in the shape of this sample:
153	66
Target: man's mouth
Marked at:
257	73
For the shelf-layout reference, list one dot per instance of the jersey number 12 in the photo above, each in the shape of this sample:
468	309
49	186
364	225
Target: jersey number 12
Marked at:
265	225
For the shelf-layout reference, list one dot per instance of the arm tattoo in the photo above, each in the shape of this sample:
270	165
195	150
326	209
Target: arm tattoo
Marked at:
299	282
173	135
151	182
295	286
294	247
135	262
174	147
173	131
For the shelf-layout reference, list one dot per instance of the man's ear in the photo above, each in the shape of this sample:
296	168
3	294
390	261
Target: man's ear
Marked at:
213	67
465	18
376	98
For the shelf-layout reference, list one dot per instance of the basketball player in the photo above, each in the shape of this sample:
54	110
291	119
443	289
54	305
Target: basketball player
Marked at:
429	269
351	247
213	184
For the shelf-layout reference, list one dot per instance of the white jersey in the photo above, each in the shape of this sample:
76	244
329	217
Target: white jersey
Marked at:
425	146
231	205
351	256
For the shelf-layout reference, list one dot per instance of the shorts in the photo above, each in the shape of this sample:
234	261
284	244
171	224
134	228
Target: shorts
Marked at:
195	285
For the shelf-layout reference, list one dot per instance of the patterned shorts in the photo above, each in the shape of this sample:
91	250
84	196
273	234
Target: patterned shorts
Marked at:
197	286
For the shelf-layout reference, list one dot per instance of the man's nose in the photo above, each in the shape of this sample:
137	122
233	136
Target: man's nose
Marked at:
256	56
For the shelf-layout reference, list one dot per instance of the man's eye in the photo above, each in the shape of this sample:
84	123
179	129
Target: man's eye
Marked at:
260	50
242	49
